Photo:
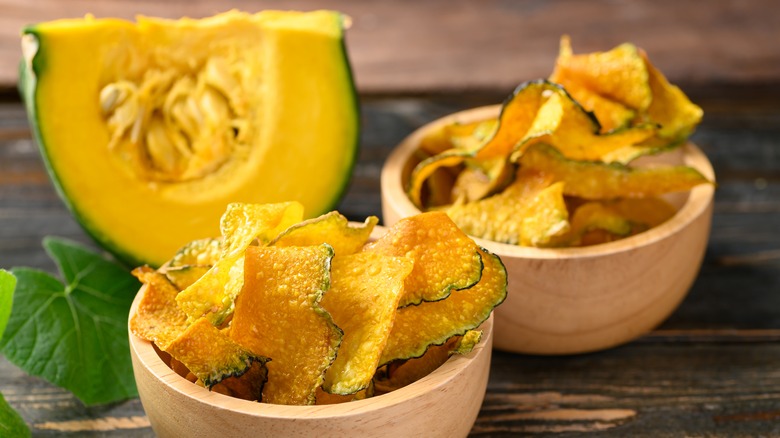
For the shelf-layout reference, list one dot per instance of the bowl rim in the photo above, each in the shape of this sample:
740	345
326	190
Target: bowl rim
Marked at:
697	203
446	374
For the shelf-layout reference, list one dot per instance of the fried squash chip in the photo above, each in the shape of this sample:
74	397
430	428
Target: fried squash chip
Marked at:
242	223
201	252
282	291
622	79
597	180
213	295
184	276
362	300
529	212
225	359
416	328
331	228
157	318
445	259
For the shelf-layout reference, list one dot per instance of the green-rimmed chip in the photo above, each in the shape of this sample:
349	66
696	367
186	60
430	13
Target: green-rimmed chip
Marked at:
445	258
281	297
331	228
363	297
418	327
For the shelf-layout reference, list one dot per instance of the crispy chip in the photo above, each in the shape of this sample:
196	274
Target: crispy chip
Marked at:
427	167
445	259
241	224
225	358
158	318
184	276
281	296
619	74
593	216
201	252
477	182
671	108
596	180
576	134
364	294
529	212
213	295
610	114
649	212
404	372
331	228
417	327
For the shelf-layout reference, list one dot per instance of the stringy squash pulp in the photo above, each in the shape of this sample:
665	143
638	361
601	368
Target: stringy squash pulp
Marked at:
149	129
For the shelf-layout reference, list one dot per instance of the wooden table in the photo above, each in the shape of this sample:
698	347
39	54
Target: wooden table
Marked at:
712	369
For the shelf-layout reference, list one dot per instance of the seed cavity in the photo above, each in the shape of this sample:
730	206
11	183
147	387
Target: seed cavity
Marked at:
174	127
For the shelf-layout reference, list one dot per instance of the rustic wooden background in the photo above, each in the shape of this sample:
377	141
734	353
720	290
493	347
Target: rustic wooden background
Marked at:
711	370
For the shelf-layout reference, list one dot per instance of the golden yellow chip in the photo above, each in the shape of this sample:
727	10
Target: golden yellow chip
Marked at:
213	295
158	318
610	114
428	167
184	276
417	327
278	315
364	293
201	252
618	74
649	212
593	216
479	181
209	354
241	224
529	212
576	133
596	180
445	259
671	108
331	228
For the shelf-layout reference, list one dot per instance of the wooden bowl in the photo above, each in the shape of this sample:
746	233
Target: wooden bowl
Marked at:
575	300
443	404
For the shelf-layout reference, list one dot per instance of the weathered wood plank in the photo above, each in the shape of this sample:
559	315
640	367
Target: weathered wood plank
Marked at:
442	45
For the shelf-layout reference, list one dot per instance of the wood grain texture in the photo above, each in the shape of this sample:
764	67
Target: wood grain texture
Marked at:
409	46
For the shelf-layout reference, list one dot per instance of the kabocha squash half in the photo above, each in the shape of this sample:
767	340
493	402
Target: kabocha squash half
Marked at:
150	129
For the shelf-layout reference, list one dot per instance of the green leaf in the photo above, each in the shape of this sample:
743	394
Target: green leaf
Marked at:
11	423
74	334
7	286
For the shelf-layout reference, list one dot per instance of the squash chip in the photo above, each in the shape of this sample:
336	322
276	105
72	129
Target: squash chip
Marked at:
247	386
671	108
597	180
225	359
331	228
364	294
201	252
618	74
416	328
445	259
241	223
281	295
530	211
184	276
213	295
157	318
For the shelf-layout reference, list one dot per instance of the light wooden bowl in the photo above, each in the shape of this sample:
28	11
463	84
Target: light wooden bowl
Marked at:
443	404
575	300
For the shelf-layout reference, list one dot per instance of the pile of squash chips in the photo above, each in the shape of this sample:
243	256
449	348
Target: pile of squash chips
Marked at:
291	311
555	168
